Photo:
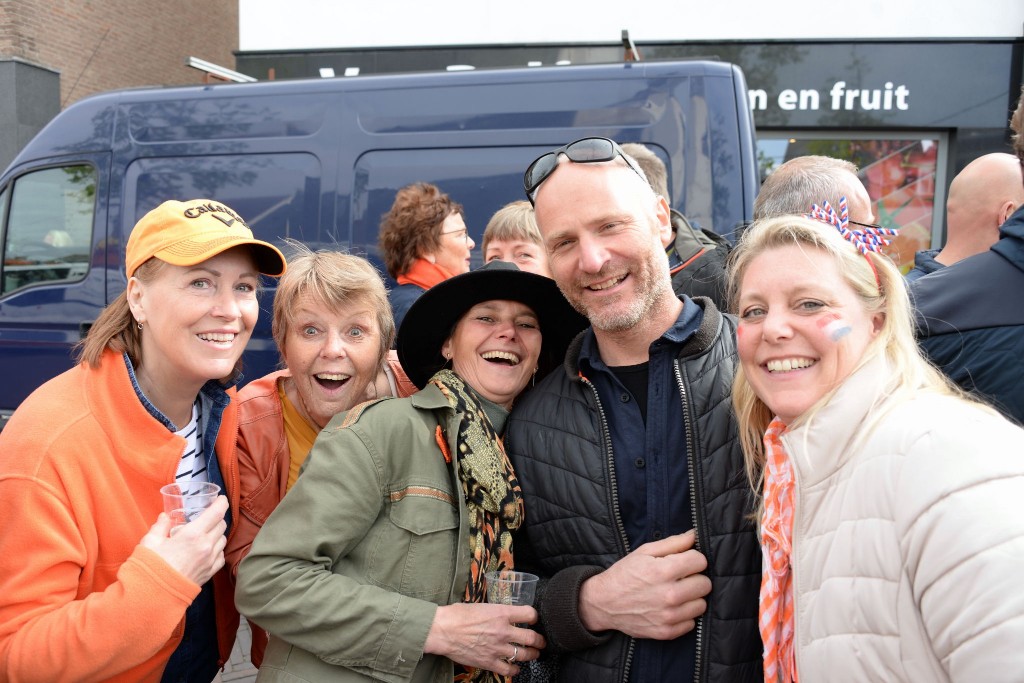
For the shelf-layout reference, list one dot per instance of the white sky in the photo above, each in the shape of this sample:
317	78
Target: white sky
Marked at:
306	24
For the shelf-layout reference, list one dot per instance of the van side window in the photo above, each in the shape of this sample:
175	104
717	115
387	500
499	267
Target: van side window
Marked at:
48	232
278	195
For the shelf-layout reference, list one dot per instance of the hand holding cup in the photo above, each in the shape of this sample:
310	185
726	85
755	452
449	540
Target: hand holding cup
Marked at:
185	502
190	535
508	587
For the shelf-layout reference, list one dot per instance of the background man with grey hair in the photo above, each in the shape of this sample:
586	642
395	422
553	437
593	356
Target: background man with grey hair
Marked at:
981	198
812	179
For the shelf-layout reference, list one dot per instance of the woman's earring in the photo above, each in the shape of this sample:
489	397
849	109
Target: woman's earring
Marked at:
139	324
533	379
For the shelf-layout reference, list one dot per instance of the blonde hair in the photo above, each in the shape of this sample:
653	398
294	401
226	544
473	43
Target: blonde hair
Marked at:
335	279
116	328
514	221
910	370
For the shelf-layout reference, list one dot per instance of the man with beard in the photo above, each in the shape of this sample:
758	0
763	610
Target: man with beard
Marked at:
638	512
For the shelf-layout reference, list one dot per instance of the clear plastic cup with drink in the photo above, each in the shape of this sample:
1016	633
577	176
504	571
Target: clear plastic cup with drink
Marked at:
184	502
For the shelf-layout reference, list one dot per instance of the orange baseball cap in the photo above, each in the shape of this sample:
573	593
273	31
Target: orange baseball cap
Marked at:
187	233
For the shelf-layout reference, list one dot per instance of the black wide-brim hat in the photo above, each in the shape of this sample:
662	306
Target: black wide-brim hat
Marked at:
432	318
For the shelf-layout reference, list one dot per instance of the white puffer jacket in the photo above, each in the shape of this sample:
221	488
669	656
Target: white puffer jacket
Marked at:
908	539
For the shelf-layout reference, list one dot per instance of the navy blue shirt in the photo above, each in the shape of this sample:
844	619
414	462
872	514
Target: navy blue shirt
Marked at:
651	470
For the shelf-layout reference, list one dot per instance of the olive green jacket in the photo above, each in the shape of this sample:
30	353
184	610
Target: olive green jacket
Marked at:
348	571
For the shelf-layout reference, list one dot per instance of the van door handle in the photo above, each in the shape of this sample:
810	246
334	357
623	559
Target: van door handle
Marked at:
84	327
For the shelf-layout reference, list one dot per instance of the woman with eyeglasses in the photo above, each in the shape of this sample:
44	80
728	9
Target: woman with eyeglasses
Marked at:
424	241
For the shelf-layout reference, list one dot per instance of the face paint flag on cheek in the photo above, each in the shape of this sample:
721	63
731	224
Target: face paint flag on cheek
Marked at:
834	326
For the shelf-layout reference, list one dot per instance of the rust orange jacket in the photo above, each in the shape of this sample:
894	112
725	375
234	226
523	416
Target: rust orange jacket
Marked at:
81	466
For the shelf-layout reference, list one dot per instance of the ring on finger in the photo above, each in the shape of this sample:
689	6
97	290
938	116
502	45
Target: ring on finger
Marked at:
515	653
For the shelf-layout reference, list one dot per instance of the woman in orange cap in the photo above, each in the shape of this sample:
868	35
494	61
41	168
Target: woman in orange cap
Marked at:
95	585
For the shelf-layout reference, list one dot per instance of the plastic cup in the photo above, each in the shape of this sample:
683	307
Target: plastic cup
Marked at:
507	587
184	502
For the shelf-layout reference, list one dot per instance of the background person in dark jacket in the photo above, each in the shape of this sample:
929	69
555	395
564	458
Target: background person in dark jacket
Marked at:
696	257
970	315
628	456
981	198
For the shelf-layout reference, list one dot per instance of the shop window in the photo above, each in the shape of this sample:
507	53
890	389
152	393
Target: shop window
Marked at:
48	233
901	175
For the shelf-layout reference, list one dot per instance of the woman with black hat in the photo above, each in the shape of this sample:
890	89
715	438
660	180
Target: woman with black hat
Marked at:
373	564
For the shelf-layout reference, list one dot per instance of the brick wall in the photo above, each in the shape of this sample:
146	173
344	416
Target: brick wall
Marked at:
99	45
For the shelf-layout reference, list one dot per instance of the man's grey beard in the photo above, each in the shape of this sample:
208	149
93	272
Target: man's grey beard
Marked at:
637	309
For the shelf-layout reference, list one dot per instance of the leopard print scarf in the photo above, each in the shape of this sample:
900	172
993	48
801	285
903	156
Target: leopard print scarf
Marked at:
493	496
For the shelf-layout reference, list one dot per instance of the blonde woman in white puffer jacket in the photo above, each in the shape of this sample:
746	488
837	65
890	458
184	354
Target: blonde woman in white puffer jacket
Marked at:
892	517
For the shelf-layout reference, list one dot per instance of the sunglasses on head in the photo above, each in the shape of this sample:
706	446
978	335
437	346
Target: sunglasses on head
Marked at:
585	151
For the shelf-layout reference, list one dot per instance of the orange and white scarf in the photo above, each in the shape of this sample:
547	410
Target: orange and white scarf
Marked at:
776	616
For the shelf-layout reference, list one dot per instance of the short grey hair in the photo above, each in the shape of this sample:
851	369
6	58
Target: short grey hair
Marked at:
800	182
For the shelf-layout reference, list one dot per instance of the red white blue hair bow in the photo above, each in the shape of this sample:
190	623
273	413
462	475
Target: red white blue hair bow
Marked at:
865	238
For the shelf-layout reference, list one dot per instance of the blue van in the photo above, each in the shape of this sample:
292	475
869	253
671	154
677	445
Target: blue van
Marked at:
320	161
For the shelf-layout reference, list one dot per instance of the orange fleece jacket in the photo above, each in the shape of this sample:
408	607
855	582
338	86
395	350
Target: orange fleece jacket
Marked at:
81	466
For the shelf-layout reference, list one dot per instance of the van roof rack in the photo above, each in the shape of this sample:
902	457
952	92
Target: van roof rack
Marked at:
632	52
216	71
